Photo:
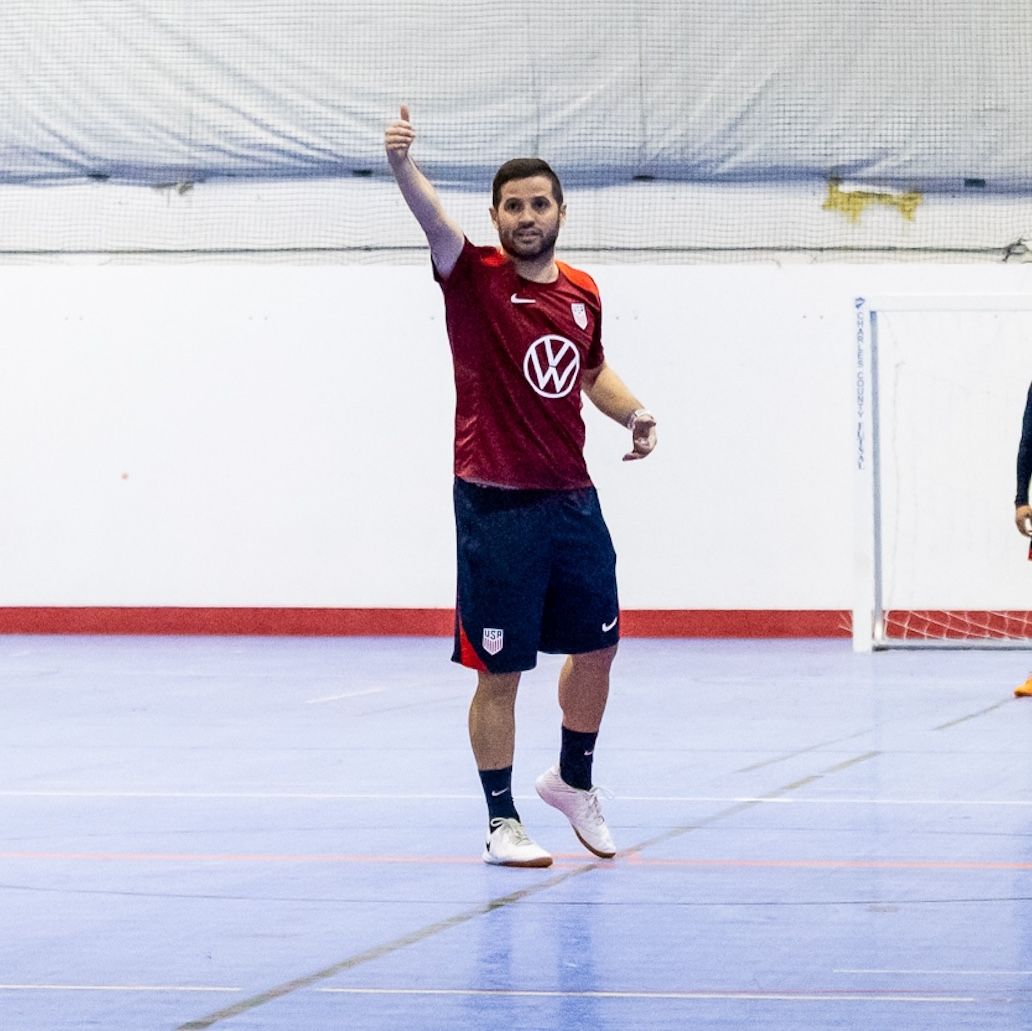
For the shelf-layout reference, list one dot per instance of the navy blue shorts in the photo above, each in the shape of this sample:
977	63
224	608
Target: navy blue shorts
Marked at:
536	572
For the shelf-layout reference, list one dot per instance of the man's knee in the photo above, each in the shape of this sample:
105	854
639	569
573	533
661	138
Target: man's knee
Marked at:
497	685
596	661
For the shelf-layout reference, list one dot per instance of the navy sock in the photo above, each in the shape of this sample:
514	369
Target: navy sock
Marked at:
578	750
498	792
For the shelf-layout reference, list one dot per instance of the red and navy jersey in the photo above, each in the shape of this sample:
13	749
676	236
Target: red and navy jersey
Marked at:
520	350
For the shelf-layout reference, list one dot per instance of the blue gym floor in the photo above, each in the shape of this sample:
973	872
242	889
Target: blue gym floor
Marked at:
285	835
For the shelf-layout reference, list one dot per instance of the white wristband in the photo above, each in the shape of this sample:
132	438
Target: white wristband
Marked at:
636	415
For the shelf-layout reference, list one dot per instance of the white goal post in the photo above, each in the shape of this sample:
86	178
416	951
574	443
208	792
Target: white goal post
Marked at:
940	384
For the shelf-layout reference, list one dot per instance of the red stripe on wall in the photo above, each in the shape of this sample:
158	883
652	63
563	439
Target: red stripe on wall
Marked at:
401	622
736	623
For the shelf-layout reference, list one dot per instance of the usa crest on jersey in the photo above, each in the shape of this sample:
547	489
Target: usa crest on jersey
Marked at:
580	314
493	640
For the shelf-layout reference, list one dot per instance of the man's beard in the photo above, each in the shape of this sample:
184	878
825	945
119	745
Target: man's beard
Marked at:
531	249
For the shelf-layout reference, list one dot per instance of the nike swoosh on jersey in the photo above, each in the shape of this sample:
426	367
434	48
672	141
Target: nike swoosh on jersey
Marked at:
521	300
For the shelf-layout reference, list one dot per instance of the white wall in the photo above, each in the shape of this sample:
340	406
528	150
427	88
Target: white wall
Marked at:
274	435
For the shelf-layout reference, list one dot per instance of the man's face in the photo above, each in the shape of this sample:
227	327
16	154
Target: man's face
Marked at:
527	217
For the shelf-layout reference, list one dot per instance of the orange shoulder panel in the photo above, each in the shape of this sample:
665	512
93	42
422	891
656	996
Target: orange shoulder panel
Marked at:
577	277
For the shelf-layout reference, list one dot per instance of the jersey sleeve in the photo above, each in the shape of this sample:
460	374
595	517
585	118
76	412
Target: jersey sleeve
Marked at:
595	355
471	264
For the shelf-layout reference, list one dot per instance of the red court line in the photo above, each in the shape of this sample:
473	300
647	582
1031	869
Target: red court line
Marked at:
632	859
835	864
387	622
217	857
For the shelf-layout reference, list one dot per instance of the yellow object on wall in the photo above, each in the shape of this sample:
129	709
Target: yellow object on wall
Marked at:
853	203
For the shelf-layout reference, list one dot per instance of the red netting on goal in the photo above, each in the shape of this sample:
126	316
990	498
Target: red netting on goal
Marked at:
957	625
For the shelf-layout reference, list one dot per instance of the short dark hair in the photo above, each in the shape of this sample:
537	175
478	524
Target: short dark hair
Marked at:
525	168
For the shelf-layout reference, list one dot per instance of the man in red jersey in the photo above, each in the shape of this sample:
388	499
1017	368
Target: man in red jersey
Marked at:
536	566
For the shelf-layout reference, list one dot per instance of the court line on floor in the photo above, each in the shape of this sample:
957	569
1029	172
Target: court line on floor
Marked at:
744	806
725	995
784	757
193	988
835	864
630	857
387	948
973	715
430	931
838	767
936	973
344	696
1021	803
327	796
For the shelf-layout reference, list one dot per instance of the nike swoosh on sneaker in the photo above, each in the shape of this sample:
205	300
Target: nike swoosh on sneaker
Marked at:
521	300
606	627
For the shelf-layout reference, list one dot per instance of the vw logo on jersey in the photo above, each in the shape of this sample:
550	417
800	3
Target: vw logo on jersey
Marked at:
551	365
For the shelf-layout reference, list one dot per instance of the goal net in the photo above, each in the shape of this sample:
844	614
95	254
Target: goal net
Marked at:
941	387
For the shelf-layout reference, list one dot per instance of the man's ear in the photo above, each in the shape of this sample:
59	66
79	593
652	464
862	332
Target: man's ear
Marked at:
494	216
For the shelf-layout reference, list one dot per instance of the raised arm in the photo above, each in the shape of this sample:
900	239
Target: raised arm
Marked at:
610	395
445	237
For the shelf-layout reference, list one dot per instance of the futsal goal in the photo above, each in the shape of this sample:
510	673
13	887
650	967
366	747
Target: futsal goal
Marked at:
940	390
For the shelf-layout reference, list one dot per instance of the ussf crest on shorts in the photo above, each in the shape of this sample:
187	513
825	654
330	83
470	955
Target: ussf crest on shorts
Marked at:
493	640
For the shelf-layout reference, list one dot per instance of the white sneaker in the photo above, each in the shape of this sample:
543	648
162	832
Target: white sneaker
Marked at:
508	845
581	808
